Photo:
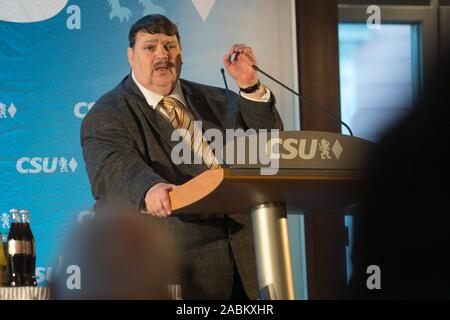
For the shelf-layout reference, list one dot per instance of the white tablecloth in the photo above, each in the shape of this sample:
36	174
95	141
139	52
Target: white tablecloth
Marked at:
24	293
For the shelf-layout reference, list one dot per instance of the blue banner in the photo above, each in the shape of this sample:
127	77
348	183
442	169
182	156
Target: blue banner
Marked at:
58	57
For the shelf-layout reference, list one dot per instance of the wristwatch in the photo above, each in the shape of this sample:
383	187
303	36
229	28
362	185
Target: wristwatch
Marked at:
251	89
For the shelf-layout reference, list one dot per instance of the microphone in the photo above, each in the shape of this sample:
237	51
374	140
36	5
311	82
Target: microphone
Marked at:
228	96
304	98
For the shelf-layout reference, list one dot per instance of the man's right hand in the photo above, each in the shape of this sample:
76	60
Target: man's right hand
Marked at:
157	200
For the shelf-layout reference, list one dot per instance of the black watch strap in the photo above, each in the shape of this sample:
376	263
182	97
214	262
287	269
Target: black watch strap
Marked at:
252	88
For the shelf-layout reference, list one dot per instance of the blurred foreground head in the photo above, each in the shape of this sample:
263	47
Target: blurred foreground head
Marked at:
121	255
403	223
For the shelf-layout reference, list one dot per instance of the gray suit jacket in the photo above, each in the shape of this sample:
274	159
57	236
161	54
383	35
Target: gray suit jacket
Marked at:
127	146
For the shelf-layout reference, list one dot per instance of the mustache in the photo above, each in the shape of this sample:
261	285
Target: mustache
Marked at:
166	64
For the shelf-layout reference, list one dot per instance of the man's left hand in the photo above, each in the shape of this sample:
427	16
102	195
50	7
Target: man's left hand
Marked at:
240	67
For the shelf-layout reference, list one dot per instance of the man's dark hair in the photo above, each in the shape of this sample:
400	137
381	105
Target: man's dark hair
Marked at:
153	23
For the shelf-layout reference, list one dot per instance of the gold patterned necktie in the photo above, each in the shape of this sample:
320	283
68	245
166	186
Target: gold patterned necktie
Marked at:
179	117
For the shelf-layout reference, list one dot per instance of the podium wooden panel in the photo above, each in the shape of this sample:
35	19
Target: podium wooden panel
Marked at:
239	190
330	180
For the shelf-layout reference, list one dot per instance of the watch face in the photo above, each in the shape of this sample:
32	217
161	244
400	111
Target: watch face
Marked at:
251	89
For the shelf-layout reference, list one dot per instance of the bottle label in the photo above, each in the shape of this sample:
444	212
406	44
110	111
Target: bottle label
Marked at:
30	247
18	247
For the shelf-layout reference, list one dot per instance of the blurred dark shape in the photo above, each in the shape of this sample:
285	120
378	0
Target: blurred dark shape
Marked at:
403	223
121	254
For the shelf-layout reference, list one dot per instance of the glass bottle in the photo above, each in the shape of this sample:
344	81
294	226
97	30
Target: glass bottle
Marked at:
30	250
16	251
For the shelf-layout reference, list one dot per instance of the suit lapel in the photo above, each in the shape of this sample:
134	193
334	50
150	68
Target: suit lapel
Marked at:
199	106
163	128
196	103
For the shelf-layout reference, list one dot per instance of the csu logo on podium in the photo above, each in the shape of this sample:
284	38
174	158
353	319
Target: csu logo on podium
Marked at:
305	149
26	165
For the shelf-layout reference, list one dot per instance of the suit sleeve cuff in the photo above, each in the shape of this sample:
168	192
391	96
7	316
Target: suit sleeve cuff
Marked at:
264	98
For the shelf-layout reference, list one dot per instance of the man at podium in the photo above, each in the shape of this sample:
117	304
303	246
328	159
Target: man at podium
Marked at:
126	142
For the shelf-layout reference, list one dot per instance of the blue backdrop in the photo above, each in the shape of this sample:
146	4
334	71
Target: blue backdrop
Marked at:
56	60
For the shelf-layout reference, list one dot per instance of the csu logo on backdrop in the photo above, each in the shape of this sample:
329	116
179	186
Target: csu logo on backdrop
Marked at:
30	11
5	221
26	11
7	111
84	216
81	109
122	13
26	165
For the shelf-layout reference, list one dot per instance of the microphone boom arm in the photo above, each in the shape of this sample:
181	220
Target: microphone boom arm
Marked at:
304	98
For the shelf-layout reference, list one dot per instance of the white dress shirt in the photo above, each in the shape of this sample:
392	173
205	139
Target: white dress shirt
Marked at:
153	98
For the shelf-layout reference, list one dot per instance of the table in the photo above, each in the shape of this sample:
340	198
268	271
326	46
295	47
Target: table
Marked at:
24	293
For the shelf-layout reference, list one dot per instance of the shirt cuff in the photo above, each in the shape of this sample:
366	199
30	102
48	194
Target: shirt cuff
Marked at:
264	98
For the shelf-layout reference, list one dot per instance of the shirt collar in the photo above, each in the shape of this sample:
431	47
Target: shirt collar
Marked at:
153	98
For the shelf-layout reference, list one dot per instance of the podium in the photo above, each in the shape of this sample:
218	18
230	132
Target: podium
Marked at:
315	171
